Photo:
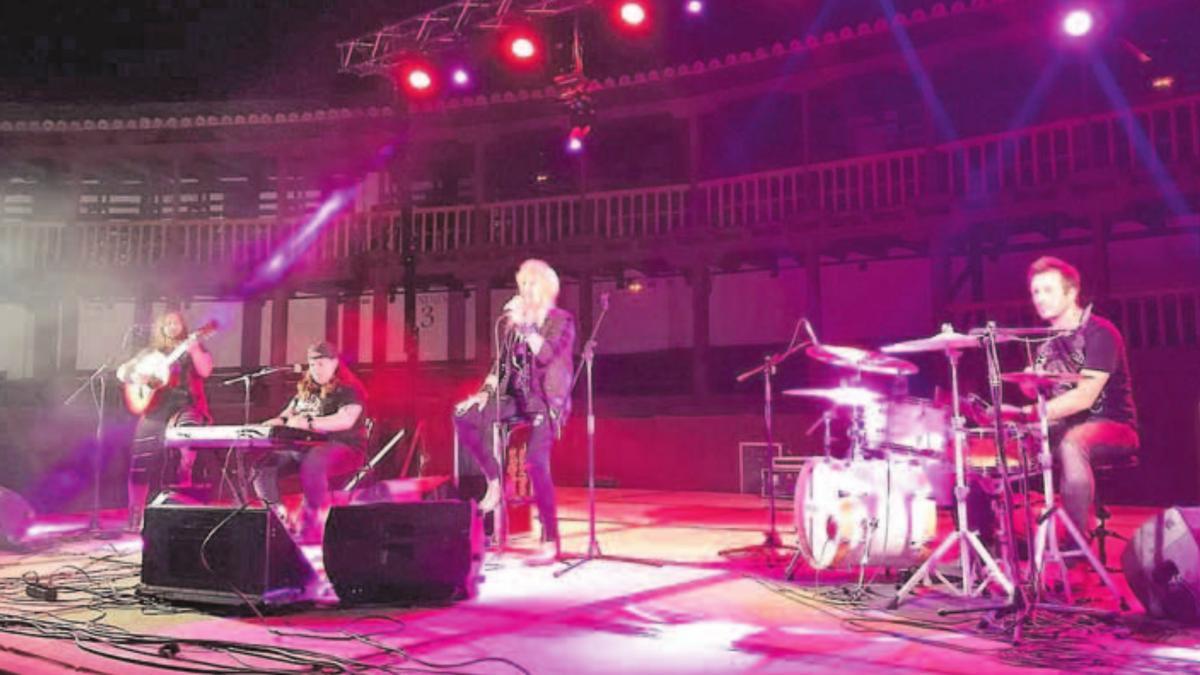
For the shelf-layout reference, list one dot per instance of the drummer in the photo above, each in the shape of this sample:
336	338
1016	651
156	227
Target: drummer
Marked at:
1095	419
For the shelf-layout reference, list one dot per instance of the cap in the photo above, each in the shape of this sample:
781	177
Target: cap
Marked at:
322	350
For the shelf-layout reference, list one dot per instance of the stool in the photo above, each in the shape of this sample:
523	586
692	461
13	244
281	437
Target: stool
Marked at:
1107	464
512	480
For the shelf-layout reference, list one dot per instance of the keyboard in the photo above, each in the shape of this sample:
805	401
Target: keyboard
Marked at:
241	436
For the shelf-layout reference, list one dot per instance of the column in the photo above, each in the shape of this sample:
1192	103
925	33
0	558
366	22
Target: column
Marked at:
252	319
379	324
456	323
279	326
701	279
587	302
332	301
813	309
68	342
351	321
1101	282
483	320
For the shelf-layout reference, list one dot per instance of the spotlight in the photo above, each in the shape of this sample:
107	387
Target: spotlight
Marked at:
461	77
522	48
1078	23
1163	83
633	13
419	79
694	7
575	138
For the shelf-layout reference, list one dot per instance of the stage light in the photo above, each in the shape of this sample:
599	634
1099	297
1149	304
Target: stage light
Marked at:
1078	23
522	48
461	77
632	13
419	79
635	286
694	6
575	138
1163	83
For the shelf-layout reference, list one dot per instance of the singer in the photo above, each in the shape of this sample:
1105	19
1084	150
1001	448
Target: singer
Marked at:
530	380
1096	418
329	400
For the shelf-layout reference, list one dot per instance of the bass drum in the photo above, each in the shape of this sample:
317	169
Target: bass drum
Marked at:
875	512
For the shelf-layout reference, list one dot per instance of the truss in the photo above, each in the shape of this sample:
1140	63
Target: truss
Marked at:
439	29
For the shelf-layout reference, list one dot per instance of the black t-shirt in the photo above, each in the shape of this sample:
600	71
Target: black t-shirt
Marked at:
320	406
1098	345
185	390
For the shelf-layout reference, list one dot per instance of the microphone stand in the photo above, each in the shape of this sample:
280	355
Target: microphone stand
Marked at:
771	541
586	364
98	454
241	487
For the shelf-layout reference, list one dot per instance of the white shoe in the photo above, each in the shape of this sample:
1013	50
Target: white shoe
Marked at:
491	498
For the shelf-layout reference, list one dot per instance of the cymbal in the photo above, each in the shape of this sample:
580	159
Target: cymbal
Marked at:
1041	380
849	396
1006	334
944	341
862	360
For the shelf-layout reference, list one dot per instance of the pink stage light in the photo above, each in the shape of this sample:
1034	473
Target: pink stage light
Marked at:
694	6
419	79
633	13
461	77
1078	23
522	48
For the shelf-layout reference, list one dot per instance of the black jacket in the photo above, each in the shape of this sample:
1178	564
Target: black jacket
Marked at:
548	374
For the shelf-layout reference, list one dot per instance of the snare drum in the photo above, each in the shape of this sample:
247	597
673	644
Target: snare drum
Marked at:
908	425
877	512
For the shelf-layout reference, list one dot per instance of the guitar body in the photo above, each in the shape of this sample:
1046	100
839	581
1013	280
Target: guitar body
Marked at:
152	372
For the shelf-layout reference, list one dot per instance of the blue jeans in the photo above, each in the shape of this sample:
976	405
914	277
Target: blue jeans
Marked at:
1081	446
475	435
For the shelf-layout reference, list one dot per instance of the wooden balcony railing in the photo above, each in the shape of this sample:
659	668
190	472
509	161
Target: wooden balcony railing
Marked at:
804	196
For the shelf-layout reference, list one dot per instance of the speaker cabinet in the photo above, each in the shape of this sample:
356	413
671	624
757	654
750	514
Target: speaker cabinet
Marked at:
404	553
1162	565
221	555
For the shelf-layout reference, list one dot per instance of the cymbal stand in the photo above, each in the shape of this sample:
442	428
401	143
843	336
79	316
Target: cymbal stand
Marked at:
771	541
964	537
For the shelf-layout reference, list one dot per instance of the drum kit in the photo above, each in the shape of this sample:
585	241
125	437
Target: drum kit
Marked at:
877	505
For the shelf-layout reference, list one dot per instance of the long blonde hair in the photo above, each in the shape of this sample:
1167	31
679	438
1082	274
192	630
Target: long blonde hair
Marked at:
162	342
547	286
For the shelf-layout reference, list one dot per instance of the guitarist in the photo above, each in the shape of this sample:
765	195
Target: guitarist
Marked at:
180	401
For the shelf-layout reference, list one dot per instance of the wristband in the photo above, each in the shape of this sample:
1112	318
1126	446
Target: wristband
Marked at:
310	421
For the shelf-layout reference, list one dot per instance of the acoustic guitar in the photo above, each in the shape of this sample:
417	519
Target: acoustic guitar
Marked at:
152	371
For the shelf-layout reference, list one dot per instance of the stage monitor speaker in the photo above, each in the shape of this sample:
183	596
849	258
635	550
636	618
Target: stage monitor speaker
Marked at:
16	515
221	555
1162	564
404	553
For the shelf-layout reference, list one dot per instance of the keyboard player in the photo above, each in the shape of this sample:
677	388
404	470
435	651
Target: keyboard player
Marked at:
329	400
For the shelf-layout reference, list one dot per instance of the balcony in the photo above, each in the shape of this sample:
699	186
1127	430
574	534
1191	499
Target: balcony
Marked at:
1049	166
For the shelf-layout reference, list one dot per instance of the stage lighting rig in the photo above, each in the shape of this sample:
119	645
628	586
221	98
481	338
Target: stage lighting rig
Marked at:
446	26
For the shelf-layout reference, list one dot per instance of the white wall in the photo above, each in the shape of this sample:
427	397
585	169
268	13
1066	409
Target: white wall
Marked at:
16	341
102	327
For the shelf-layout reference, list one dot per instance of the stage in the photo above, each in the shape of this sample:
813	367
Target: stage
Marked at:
697	612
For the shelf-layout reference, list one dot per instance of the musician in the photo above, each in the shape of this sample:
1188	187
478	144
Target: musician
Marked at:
181	401
329	400
530	380
1097	415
